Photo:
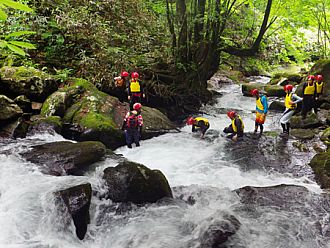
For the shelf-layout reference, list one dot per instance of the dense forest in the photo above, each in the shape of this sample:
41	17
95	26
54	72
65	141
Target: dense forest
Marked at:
175	45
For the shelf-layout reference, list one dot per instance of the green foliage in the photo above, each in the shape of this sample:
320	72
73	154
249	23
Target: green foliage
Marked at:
9	41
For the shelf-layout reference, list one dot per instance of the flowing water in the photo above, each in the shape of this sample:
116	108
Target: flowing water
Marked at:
196	169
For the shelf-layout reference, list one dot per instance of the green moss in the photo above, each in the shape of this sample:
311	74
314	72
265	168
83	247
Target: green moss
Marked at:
21	73
97	121
322	65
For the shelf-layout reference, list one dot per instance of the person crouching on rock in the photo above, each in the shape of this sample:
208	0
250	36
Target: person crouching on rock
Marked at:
132	125
236	128
291	101
199	124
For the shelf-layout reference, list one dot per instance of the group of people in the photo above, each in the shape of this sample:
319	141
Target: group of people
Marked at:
133	121
312	90
236	128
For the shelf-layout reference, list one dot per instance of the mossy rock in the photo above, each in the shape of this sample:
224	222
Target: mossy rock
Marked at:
321	167
303	134
271	90
325	136
8	109
90	114
323	67
28	81
42	124
311	121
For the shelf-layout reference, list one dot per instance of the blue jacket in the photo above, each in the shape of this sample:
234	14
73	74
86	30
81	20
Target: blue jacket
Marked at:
264	103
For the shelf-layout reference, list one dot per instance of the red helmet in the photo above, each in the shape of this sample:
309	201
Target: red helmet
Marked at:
288	87
137	106
135	75
254	92
319	78
124	74
190	121
310	77
231	114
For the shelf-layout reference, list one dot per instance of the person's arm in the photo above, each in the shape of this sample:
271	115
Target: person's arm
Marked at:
303	89
238	124
193	128
295	99
142	90
265	104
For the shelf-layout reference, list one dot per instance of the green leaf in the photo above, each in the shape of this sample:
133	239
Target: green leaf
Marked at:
19	33
22	44
3	43
3	15
16	49
16	5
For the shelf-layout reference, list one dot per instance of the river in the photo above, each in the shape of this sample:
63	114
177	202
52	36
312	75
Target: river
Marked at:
198	169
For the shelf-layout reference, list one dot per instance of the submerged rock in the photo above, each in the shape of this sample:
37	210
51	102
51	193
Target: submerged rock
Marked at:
65	158
133	182
219	232
77	200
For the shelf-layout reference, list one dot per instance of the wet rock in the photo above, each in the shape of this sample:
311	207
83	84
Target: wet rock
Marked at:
311	121
65	158
8	109
303	134
24	103
40	124
28	81
77	200
271	90
15	129
321	167
277	106
301	146
89	114
219	232
132	182
325	136
282	196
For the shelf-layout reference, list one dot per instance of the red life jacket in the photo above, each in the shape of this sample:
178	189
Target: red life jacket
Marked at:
132	121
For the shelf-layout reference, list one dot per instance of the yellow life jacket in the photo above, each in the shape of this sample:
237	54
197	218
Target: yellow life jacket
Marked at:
288	100
135	87
206	121
309	90
319	87
259	104
234	126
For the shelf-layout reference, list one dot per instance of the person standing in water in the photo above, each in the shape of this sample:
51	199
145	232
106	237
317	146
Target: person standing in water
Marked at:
261	110
291	101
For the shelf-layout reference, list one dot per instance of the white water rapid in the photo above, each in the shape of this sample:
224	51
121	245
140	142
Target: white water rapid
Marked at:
193	167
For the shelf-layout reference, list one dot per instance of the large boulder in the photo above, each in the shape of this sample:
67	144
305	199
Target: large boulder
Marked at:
277	106
321	166
271	90
28	81
77	200
323	67
132	182
311	121
89	114
8	109
65	158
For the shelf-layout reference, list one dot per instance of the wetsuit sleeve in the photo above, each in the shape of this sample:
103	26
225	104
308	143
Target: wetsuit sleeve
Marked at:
129	88
141	88
295	99
264	102
238	124
193	128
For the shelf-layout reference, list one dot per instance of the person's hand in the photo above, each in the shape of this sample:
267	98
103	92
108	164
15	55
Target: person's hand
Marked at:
129	97
234	138
316	98
143	95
